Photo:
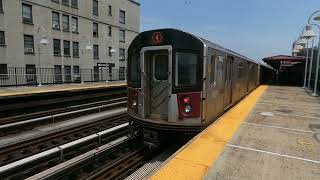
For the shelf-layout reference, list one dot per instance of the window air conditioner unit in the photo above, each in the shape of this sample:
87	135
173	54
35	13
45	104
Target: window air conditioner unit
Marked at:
121	57
28	50
26	20
55	26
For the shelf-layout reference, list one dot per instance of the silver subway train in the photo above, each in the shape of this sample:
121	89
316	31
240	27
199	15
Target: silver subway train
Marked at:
181	82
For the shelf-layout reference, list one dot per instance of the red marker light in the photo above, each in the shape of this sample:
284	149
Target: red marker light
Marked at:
186	100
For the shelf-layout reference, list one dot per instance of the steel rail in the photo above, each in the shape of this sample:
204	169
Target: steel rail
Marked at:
52	112
17	107
118	169
61	169
16	151
58	150
52	118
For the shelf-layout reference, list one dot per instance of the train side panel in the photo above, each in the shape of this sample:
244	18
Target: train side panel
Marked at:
214	97
244	78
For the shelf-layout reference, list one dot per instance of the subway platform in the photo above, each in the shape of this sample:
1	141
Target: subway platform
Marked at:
13	92
273	133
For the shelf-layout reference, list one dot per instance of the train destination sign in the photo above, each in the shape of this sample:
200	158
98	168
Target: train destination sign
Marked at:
157	38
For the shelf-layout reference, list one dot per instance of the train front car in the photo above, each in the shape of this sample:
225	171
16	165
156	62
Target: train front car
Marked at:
165	82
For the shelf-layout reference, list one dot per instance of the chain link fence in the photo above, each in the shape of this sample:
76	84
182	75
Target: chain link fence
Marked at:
19	76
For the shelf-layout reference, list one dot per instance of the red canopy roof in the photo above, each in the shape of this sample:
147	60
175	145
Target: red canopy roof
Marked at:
285	58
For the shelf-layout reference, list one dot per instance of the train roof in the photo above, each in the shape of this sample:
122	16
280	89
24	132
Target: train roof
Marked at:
228	51
223	49
216	46
205	42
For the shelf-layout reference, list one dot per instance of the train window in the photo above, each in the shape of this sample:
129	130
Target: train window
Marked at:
135	70
251	67
213	69
186	69
160	67
241	70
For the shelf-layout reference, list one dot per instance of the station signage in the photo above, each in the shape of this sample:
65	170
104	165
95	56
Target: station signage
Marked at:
288	63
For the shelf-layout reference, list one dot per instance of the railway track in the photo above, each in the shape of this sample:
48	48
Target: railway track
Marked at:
38	162
117	160
119	169
58	110
14	152
38	105
114	160
107	154
12	125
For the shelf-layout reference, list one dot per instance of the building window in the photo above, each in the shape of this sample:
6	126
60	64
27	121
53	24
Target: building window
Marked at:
66	48
95	51
109	51
76	74
3	71
122	73
31	74
75	49
55	20
27	13
110	10
76	70
109	31
56	47
57	73
28	44
65	23
122	54
1	6
95	8
65	2
67	73
2	38
74	4
122	36
74	25
122	17
95	30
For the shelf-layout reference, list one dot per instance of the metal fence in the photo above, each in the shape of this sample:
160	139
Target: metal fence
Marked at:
17	76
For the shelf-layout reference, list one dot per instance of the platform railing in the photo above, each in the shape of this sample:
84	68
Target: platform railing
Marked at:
30	77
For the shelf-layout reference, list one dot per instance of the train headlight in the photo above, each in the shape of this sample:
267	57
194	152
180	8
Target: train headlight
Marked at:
187	109
134	103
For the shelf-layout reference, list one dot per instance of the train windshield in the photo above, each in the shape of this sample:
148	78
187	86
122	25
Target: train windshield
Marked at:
186	69
135	70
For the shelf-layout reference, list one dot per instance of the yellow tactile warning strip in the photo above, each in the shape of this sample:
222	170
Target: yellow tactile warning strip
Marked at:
8	92
193	160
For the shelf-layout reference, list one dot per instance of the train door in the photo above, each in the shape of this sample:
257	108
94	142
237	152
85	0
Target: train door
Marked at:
228	82
156	80
212	95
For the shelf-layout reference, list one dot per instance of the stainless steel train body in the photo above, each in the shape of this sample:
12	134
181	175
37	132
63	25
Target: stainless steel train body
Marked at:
180	82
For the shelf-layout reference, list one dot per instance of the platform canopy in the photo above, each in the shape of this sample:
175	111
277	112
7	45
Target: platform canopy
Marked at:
284	58
283	61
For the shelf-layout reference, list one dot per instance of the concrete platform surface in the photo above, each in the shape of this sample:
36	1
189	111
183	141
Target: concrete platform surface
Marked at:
279	138
8	92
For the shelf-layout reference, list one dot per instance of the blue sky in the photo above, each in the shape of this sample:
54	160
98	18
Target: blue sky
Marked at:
255	28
